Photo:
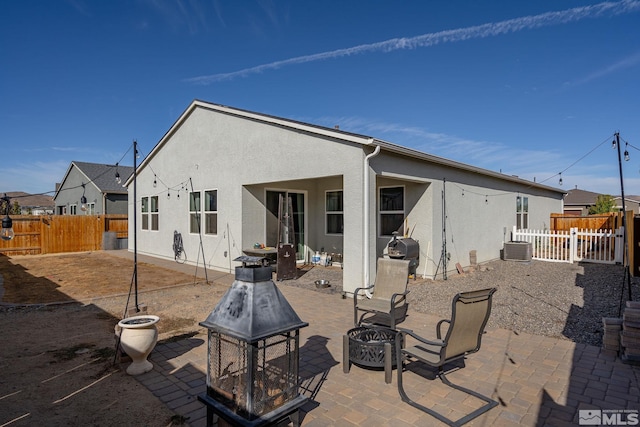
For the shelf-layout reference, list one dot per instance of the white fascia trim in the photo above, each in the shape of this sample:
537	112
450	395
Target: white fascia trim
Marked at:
402	177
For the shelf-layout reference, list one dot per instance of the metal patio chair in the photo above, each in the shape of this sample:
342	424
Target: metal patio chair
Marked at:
389	297
470	313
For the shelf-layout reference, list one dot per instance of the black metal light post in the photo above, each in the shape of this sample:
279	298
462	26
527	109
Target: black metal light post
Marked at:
134	279
135	224
7	223
625	261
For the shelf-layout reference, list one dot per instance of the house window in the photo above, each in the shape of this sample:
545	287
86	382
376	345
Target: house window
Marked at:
211	212
149	208
154	212
73	210
91	208
194	212
145	213
391	210
334	214
522	213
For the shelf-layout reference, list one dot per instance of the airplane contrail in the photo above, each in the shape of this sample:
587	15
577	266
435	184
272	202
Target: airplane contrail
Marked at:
447	36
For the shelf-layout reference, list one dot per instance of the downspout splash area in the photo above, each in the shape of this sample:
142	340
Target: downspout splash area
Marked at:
366	216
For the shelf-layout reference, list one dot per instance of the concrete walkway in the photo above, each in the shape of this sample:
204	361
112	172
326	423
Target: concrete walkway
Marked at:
538	381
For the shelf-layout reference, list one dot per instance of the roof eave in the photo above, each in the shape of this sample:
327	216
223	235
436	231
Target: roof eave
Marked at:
331	133
286	123
462	166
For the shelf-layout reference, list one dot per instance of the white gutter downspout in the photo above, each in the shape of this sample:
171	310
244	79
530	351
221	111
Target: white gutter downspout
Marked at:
366	216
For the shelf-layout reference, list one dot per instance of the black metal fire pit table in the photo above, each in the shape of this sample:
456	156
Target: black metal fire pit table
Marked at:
370	347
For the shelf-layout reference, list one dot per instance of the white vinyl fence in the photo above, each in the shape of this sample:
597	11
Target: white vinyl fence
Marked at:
598	246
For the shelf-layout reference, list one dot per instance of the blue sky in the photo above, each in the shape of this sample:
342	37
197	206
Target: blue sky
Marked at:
533	89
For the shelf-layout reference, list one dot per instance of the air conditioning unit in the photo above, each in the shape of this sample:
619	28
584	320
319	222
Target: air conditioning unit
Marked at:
517	251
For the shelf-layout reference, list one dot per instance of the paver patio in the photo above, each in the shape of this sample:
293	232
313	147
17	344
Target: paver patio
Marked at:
538	381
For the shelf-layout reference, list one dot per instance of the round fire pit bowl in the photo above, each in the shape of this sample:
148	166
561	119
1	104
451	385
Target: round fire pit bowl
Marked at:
366	346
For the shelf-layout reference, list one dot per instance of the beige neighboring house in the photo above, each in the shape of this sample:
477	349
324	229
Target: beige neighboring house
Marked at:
577	202
216	176
631	203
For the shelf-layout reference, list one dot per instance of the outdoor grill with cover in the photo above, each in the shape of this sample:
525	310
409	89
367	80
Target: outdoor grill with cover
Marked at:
253	351
405	248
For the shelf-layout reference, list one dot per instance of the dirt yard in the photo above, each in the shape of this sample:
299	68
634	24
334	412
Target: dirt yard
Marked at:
57	317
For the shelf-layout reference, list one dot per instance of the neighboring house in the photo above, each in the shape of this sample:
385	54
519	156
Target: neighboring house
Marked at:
631	203
32	204
217	174
98	184
577	202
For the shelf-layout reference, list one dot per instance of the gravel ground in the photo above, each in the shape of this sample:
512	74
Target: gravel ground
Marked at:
543	298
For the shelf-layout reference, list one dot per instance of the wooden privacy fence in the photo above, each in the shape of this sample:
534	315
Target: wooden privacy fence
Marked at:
47	234
606	221
597	246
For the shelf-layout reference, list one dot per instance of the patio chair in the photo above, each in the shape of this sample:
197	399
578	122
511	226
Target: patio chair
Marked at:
470	313
389	298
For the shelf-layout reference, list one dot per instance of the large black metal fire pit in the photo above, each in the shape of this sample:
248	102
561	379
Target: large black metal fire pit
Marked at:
370	347
253	352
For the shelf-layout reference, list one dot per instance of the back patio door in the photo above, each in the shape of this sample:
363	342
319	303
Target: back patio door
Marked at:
298	207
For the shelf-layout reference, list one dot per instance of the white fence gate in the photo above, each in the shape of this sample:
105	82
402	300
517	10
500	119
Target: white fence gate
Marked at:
598	246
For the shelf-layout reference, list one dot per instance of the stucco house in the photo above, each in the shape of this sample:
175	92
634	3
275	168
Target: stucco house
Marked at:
98	184
216	176
577	202
631	203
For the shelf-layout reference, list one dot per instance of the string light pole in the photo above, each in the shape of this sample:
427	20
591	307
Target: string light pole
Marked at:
135	224
625	260
134	279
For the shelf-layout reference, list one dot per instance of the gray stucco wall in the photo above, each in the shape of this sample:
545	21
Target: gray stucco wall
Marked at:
71	192
116	204
480	210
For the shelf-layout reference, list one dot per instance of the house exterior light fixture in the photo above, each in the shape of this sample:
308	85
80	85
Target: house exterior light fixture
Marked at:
7	224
